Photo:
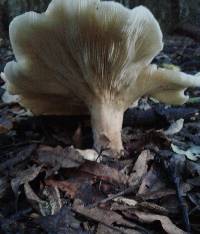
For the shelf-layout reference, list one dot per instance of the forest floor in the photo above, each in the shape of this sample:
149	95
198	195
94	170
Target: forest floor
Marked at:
48	185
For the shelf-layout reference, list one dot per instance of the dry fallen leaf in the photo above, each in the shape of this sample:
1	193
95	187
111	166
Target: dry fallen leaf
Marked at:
49	206
25	177
192	153
73	189
156	195
24	154
166	223
104	172
59	157
62	222
102	216
52	195
175	127
151	182
140	168
69	157
152	207
4	185
79	187
194	181
38	204
70	188
103	229
5	125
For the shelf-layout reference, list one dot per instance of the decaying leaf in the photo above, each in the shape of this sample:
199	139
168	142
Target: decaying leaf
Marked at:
81	189
151	182
61	223
25	177
4	184
104	172
70	188
52	195
69	157
102	216
175	127
59	157
11	224
166	223
172	166
148	196
140	168
191	132
152	207
38	204
103	229
22	155
193	168
5	125
194	181
171	203
50	206
192	153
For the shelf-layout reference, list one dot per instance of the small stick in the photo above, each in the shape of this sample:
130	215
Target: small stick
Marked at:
122	193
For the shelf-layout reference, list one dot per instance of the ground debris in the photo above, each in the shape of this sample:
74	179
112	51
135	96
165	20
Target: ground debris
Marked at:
105	173
103	229
59	157
166	223
24	177
50	206
74	189
4	185
103	216
5	125
174	166
23	154
52	181
62	222
140	168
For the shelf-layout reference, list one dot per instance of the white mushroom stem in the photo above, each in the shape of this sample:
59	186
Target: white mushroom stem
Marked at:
107	124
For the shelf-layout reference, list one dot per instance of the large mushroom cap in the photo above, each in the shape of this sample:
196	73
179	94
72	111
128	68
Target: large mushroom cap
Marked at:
85	55
78	51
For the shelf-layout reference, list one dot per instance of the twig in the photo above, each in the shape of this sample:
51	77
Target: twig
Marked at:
122	193
101	152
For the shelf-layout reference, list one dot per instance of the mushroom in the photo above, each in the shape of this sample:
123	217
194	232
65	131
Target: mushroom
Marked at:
90	57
